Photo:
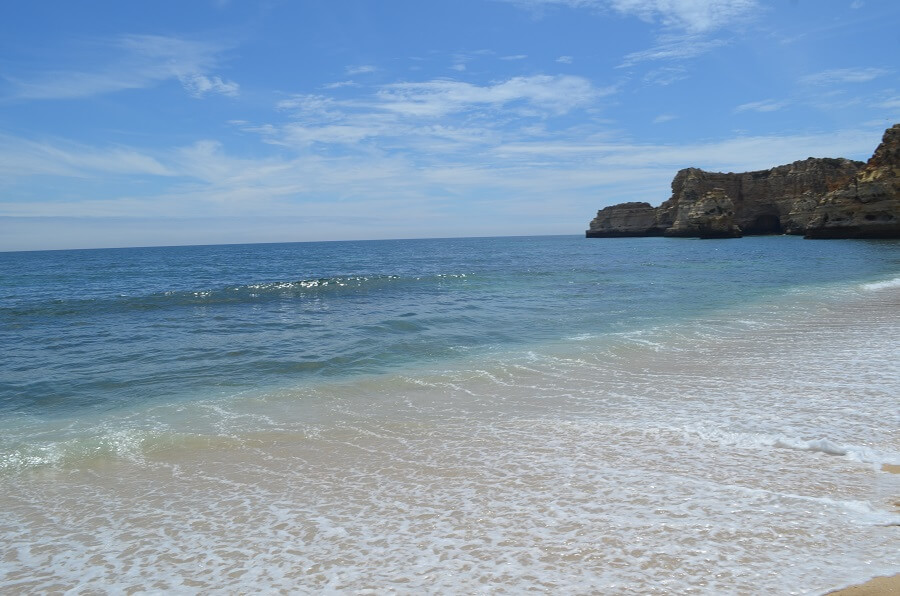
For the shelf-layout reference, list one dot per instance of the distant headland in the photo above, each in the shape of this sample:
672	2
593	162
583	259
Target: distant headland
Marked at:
815	197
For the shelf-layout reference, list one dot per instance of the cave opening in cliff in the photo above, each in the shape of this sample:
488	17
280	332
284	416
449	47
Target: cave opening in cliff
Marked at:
765	224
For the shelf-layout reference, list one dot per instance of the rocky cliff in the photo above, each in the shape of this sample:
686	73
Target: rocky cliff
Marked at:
625	219
818	197
869	205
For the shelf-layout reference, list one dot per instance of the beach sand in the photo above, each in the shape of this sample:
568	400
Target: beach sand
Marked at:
879	586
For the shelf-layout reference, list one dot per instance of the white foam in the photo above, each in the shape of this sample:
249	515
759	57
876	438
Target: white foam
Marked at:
882	285
852	452
753	441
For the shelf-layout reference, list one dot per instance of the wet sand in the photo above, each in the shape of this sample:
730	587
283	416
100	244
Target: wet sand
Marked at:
879	586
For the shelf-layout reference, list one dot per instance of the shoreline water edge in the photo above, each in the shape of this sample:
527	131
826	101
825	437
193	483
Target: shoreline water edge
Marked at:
644	419
877	586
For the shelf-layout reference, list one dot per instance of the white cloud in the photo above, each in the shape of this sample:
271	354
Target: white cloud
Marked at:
132	62
458	67
692	16
673	48
688	24
298	134
554	94
315	107
844	75
339	84
437	116
564	60
664	118
514	57
666	75
766	105
56	157
856	4
742	153
198	85
892	103
363	69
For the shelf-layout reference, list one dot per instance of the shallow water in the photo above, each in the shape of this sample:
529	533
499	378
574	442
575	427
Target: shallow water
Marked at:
556	420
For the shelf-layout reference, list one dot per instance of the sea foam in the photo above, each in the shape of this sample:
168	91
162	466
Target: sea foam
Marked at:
882	285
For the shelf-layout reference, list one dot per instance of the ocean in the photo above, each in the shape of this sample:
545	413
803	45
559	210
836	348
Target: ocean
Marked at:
477	415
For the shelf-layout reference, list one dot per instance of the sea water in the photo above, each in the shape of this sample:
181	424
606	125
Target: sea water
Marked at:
490	415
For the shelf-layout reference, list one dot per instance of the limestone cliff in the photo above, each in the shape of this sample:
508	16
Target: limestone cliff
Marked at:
711	216
819	197
869	205
625	219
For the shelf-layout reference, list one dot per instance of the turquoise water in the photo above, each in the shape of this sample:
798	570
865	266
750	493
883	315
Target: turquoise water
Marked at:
100	329
457	415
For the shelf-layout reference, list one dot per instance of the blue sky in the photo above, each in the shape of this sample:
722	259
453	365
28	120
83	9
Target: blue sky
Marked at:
206	122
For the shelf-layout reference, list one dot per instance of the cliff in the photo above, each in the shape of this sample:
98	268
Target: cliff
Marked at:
818	197
869	205
625	219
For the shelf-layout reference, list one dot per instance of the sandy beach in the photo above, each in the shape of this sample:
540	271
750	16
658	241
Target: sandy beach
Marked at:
879	586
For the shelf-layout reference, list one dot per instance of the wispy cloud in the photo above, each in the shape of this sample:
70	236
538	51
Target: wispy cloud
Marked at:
554	94
766	105
687	25
892	103
361	69
564	60
441	116
664	118
741	153
673	48
132	62
691	16
57	157
514	57
339	84
199	85
837	76
666	75
438	116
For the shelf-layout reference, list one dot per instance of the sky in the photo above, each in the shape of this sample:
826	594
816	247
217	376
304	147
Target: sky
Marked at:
223	121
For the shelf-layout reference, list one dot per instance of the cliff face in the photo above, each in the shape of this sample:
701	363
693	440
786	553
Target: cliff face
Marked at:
625	219
819	197
869	205
711	216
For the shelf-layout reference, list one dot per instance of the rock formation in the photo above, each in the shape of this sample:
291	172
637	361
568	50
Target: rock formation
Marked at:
711	216
869	205
818	197
625	219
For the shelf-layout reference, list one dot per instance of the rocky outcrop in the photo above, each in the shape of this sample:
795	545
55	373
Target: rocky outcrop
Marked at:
869	205
818	197
625	219
710	216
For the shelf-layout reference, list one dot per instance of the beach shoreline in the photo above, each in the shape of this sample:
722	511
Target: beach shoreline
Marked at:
877	586
735	449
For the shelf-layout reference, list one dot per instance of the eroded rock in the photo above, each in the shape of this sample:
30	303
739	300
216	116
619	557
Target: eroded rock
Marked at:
818	197
625	219
869	205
